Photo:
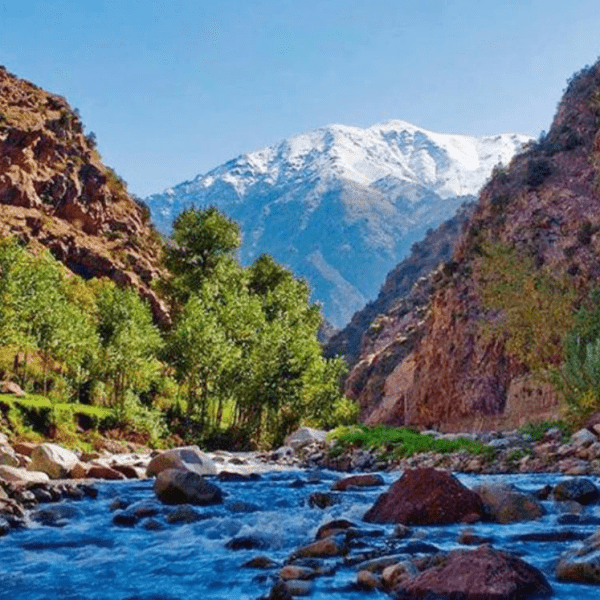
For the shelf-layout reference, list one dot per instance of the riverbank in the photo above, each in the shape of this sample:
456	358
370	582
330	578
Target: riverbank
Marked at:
29	476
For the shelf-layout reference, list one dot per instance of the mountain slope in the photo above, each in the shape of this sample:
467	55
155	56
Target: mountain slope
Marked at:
459	361
342	205
55	190
436	248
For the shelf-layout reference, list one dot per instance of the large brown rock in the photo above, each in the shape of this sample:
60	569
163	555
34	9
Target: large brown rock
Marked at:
53	460
178	486
506	504
482	574
189	458
426	497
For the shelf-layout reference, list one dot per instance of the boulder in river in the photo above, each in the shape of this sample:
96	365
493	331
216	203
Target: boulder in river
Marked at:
188	458
506	504
579	489
357	481
581	564
304	436
179	486
53	460
426	497
477	574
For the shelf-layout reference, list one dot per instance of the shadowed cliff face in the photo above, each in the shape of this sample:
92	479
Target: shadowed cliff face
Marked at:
54	189
425	256
452	367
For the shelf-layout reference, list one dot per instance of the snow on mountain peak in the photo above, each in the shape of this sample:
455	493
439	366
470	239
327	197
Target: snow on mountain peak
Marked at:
341	204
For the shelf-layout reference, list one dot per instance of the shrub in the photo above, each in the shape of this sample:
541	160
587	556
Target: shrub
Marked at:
537	172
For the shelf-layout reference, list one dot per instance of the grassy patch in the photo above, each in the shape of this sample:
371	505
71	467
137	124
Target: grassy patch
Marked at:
36	401
537	431
401	442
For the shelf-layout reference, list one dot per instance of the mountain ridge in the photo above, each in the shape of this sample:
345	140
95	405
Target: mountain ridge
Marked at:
341	205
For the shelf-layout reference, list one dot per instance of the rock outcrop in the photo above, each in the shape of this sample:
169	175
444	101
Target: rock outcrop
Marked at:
446	362
55	191
425	256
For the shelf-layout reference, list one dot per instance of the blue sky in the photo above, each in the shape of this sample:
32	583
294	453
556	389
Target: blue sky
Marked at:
173	89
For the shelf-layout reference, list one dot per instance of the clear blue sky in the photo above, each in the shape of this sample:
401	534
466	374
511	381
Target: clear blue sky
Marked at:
175	88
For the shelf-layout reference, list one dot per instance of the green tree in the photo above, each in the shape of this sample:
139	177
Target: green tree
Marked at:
129	342
37	314
202	239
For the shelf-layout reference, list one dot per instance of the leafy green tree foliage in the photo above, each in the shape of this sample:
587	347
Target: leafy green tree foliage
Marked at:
37	313
527	300
244	342
129	342
579	376
202	240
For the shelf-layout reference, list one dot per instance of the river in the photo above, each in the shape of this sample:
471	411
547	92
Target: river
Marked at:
84	556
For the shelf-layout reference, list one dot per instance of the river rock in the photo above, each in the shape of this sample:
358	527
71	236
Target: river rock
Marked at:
321	500
581	564
260	562
334	527
477	574
366	580
295	572
189	458
129	471
22	475
53	460
79	471
426	497
104	472
334	545
8	457
506	504
398	573
304	436
179	486
578	489
366	480
583	438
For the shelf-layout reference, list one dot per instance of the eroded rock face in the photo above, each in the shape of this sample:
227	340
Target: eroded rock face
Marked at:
477	574
426	497
55	190
451	368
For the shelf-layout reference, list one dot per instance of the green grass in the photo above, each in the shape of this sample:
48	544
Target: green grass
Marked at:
536	431
401	442
36	401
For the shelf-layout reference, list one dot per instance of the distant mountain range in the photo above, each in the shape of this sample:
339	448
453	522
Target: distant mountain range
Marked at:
341	205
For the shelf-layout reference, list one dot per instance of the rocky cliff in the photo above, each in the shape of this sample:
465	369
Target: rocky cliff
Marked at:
445	356
55	190
436	248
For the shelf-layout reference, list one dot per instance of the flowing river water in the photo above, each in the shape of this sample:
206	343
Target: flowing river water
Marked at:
85	556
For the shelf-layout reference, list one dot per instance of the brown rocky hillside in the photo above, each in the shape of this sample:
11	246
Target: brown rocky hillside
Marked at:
426	255
454	360
55	190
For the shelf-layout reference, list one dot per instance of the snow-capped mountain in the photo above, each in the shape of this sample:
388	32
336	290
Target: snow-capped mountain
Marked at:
342	205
